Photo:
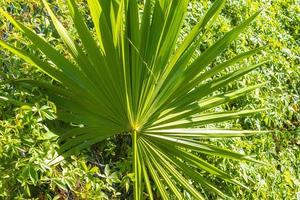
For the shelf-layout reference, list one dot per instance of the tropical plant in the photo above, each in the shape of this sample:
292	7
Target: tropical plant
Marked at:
130	74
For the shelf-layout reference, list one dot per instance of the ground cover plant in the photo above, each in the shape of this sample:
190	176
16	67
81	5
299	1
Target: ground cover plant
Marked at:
70	184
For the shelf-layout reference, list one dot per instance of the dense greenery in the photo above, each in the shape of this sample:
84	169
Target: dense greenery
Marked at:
105	168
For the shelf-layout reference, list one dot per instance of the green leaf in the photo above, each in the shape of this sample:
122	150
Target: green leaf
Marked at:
30	173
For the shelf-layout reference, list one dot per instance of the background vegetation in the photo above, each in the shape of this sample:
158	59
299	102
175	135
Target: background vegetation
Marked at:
26	140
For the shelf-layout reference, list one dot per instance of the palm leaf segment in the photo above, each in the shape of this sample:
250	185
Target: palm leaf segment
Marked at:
131	77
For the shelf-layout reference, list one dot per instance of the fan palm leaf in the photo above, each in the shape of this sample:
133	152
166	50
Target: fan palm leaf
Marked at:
130	74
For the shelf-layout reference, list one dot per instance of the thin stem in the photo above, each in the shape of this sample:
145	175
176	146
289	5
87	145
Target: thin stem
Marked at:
136	188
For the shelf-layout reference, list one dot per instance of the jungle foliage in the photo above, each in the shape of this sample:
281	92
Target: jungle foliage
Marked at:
27	136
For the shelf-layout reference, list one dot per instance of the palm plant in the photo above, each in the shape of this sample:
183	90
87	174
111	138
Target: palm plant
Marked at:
130	74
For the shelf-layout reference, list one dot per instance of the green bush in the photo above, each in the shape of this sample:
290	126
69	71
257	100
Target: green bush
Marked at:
25	135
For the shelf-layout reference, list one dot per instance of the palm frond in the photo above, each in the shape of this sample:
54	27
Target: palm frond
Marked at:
134	76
